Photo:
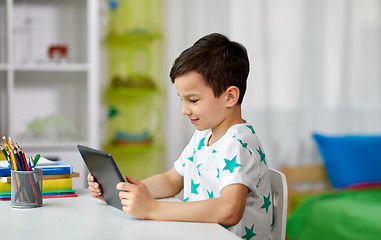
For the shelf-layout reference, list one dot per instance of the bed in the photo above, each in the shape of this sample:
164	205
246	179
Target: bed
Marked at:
344	197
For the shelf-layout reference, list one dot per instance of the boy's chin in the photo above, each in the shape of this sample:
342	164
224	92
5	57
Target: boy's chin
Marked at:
201	128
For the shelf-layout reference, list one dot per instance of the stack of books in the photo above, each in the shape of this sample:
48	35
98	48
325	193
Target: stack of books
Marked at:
57	179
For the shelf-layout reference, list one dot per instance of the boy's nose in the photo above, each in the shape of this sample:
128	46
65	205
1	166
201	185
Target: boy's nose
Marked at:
185	109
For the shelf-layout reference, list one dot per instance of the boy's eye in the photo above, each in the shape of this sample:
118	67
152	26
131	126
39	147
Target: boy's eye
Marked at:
193	100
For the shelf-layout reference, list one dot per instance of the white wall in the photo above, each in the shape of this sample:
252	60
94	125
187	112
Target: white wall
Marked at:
314	67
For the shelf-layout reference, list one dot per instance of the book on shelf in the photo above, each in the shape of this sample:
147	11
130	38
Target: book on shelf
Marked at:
45	194
54	176
49	167
47	185
57	179
51	188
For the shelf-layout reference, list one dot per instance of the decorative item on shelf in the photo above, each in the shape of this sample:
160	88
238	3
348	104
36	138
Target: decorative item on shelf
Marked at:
58	53
137	82
139	60
54	127
132	139
113	4
113	112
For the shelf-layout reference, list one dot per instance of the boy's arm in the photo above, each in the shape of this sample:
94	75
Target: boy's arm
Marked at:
164	185
160	186
226	209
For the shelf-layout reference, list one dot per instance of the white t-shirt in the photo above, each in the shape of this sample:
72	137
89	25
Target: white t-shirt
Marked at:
237	157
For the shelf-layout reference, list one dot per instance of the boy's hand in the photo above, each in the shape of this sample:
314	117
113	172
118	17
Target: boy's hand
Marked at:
135	198
94	188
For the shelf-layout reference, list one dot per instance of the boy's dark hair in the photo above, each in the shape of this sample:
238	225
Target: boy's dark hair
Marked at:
221	62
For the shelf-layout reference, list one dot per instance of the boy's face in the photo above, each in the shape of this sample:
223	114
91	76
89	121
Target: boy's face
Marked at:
199	103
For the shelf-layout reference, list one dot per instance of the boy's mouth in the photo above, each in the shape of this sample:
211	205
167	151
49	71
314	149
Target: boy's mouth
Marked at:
194	120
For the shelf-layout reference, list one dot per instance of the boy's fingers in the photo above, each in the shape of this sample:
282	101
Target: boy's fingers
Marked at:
125	195
133	180
95	194
93	184
97	187
94	187
90	177
124	186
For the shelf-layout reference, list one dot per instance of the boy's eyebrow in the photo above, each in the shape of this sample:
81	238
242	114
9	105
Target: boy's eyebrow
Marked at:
188	95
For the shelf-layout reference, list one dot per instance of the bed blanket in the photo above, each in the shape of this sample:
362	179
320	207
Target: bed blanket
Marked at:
348	214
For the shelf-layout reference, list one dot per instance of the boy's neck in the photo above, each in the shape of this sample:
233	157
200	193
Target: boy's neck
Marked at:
232	119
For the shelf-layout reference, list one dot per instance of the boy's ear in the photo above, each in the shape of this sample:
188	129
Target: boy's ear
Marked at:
232	95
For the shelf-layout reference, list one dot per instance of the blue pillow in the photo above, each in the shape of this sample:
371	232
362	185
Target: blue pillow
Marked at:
351	159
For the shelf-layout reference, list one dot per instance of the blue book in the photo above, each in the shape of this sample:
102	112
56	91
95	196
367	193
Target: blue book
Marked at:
49	167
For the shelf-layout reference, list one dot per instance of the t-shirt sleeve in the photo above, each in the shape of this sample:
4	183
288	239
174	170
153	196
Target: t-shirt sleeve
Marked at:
238	163
187	153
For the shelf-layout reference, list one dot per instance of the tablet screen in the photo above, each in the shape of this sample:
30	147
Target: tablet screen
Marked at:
102	166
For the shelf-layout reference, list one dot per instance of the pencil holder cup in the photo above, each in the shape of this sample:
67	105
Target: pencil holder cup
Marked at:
26	188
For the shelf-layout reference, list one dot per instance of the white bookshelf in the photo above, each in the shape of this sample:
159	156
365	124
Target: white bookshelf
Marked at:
64	67
50	107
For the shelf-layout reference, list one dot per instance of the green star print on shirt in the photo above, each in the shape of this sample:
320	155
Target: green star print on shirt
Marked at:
266	203
263	156
210	194
191	158
201	144
249	233
251	128
231	164
244	145
194	187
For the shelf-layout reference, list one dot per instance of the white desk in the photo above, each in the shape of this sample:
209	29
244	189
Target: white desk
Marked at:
85	217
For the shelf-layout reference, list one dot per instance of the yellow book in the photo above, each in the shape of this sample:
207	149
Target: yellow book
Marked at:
5	187
47	185
57	184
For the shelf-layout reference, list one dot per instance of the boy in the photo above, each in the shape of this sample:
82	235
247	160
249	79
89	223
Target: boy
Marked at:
223	170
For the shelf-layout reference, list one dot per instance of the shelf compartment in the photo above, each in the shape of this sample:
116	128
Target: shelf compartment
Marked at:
135	113
38	24
135	60
132	16
63	117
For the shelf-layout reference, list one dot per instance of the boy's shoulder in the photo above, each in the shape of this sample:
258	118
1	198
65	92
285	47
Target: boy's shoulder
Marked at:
243	130
239	134
243	133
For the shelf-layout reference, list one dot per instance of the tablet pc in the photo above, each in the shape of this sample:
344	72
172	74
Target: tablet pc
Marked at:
102	166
